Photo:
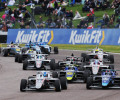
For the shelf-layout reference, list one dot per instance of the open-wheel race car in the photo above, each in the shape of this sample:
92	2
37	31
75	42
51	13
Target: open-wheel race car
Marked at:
108	79
70	60
46	49
39	61
98	53
73	73
10	49
26	54
44	80
95	66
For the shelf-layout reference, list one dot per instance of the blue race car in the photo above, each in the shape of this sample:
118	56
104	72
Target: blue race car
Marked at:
45	48
108	79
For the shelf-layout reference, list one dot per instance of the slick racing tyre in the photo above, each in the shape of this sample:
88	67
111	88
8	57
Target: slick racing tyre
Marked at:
25	64
54	74
5	53
89	82
111	58
23	85
16	57
63	81
83	55
52	64
86	75
57	86
19	58
56	50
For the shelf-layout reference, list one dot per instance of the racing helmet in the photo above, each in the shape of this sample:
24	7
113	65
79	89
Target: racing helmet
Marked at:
45	74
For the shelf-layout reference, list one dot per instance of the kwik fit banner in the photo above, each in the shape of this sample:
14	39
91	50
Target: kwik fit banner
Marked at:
65	36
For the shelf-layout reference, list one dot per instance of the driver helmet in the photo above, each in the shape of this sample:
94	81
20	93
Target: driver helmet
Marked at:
45	74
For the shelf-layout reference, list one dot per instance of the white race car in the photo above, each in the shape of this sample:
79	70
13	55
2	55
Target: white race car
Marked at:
97	52
39	61
44	80
96	66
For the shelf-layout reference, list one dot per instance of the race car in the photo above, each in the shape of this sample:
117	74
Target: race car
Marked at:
39	61
73	73
11	49
95	67
45	48
43	80
98	53
33	46
70	60
108	79
27	54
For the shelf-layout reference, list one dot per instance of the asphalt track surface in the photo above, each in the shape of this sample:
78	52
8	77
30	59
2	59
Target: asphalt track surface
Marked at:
11	74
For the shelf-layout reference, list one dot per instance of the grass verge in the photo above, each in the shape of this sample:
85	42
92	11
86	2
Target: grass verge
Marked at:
106	48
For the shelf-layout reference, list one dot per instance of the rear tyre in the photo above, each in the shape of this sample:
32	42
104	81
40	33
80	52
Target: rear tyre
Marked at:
89	82
5	53
83	55
87	57
25	64
16	57
23	85
54	74
20	58
52	64
56	50
63	81
111	58
57	86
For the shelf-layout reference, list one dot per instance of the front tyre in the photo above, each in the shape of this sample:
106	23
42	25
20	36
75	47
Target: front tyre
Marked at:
57	86
89	82
23	85
63	81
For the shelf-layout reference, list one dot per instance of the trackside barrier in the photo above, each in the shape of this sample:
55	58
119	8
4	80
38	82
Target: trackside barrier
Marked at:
66	36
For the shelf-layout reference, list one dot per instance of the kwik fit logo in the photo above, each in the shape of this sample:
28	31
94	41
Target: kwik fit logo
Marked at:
96	36
44	35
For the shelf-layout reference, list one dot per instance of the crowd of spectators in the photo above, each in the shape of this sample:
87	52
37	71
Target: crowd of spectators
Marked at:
58	16
11	17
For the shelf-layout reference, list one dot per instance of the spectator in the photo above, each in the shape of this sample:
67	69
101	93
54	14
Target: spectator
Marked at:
71	14
118	22
67	14
7	11
10	11
98	5
20	15
12	18
26	16
15	13
22	24
90	26
55	5
106	18
4	28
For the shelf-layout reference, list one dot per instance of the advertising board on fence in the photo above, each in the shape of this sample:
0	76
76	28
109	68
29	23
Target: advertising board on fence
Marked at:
65	36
